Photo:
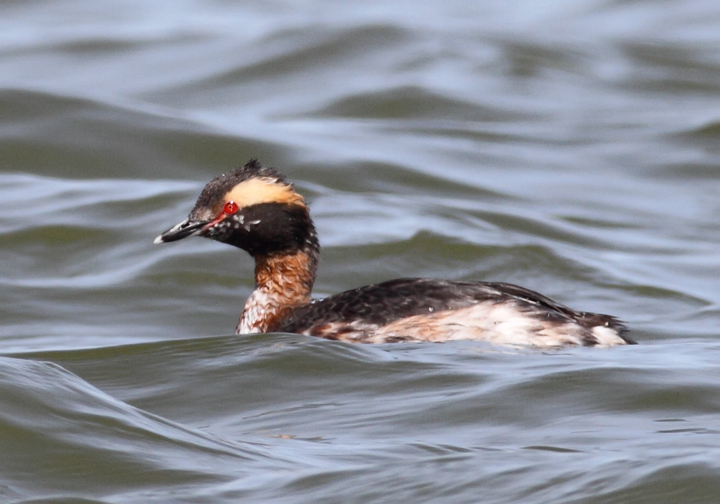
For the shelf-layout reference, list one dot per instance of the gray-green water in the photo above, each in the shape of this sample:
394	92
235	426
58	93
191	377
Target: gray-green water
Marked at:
570	147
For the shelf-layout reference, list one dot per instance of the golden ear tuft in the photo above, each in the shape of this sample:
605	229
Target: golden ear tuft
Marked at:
263	190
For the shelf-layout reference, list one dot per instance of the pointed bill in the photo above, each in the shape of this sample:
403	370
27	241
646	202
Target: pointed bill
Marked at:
182	230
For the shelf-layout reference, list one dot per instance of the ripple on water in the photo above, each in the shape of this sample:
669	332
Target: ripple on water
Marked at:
421	421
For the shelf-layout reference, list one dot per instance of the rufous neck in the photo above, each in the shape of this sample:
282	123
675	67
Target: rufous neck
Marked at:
282	282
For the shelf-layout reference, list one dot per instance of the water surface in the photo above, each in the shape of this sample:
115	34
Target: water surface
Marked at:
570	147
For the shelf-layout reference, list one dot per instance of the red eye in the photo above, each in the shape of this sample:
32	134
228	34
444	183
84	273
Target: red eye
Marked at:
230	208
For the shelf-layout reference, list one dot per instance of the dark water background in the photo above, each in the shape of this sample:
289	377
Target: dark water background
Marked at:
568	146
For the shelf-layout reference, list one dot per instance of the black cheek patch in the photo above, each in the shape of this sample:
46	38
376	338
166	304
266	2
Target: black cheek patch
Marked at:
270	227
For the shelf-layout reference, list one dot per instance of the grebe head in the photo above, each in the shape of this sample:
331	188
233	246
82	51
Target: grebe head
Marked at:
253	208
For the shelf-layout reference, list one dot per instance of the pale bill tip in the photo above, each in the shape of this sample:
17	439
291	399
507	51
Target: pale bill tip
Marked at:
158	240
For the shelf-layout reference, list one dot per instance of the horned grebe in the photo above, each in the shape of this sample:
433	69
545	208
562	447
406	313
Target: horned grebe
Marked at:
256	209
